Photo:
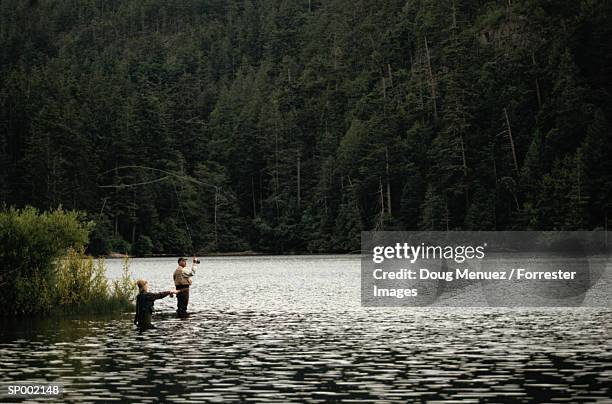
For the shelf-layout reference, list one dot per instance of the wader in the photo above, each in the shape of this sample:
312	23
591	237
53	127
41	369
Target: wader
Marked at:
144	308
182	299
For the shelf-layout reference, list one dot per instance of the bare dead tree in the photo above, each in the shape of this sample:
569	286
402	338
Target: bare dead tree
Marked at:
388	180
432	83
511	139
537	83
298	180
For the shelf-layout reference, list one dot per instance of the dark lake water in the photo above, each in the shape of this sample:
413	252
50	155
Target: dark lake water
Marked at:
281	329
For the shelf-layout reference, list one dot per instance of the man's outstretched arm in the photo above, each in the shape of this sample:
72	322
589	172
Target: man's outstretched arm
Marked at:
190	272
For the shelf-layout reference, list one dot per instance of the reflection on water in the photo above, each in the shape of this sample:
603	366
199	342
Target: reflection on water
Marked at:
288	329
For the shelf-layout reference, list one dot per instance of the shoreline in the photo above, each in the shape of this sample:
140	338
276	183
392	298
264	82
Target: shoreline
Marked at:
115	255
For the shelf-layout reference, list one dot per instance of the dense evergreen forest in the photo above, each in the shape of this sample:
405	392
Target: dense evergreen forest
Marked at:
292	125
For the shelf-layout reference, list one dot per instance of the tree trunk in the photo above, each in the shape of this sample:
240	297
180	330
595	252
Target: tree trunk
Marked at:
420	84
432	84
253	195
388	180
260	193
579	185
537	83
276	181
464	162
382	205
325	204
215	217
606	227
511	141
298	181
384	88
446	214
134	215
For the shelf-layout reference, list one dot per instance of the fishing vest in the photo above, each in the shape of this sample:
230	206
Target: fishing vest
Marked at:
180	279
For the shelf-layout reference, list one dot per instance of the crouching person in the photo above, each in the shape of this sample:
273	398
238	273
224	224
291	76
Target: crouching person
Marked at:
144	303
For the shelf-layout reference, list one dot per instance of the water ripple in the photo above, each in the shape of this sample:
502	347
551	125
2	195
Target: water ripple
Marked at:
317	349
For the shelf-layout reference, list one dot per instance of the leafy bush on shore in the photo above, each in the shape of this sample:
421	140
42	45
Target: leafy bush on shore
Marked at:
124	288
83	286
43	268
142	246
80	280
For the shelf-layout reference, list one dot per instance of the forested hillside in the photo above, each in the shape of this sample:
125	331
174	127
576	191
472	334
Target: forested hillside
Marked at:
292	125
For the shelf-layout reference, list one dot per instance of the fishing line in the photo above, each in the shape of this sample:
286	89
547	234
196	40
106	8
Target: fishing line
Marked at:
168	173
171	176
178	201
168	176
135	184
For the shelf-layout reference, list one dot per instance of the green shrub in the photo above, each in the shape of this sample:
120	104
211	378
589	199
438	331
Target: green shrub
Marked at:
43	267
100	236
169	237
31	242
124	288
83	287
33	294
142	246
119	245
80	280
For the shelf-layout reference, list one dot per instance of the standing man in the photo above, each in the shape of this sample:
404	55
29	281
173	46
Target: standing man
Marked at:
182	281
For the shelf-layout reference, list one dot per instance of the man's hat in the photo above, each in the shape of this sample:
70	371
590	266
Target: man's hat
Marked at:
181	259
